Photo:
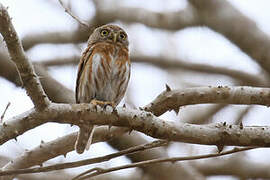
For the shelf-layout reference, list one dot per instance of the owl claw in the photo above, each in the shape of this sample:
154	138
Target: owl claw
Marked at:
102	104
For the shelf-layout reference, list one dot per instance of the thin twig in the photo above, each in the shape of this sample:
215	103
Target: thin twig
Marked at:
108	157
3	115
72	15
97	171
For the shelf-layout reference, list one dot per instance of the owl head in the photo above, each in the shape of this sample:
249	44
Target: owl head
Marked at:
109	33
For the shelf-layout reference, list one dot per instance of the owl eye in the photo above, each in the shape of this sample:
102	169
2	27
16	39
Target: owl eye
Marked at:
122	36
104	32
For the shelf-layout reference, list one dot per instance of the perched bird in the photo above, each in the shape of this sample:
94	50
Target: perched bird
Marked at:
103	74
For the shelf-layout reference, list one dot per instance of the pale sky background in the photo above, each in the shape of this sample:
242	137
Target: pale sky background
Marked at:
198	44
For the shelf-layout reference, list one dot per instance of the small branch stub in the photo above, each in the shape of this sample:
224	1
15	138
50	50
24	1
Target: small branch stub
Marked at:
168	88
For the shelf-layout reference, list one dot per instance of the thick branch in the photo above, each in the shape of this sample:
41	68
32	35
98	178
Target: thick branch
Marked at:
52	88
246	78
60	146
170	20
173	100
29	78
104	158
238	28
56	91
145	122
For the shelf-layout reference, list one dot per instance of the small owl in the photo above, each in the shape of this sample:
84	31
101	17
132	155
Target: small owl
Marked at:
103	74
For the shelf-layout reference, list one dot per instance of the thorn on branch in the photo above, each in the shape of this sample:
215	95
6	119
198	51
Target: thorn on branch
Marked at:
129	132
220	147
109	127
241	125
168	88
115	112
5	124
3	115
176	110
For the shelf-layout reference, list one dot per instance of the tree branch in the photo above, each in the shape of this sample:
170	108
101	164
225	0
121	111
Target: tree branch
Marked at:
174	99
238	28
60	146
98	171
72	15
156	171
170	20
56	91
27	74
246	78
145	122
76	36
236	165
51	86
108	157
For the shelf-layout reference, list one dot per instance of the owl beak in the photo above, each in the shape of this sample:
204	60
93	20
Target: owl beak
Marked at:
114	37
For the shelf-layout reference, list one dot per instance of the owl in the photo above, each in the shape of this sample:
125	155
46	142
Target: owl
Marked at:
103	74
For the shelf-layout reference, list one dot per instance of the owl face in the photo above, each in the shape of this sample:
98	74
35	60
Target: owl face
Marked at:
111	34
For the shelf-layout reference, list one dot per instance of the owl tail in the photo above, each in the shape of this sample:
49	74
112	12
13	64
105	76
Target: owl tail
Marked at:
84	138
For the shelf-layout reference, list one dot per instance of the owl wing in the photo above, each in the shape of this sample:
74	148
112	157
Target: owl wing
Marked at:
85	57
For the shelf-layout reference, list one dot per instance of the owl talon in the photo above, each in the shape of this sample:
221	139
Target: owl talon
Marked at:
102	104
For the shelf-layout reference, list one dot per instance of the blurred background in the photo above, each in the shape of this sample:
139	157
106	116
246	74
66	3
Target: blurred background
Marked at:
176	42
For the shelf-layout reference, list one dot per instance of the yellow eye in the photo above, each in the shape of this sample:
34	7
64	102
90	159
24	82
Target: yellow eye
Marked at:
122	36
104	32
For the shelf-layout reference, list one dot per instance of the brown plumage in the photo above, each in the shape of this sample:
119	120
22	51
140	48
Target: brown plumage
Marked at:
103	74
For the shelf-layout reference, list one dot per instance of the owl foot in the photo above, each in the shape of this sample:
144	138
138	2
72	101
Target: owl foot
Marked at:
103	104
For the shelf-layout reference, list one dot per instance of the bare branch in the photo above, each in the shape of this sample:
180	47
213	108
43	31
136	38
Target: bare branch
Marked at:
204	117
8	70
56	91
3	115
72	15
77	36
155	171
174	99
27	74
246	78
108	157
242	114
52	88
145	122
235	165
170	20
98	171
238	28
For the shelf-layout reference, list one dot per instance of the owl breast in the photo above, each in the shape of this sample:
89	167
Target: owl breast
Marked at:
110	72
